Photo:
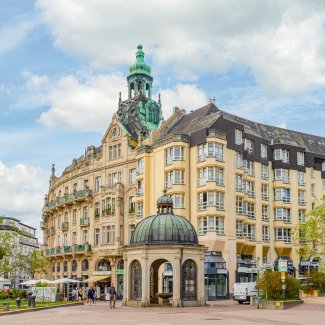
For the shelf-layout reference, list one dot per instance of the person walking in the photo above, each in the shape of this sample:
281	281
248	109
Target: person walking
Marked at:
90	295
112	297
94	296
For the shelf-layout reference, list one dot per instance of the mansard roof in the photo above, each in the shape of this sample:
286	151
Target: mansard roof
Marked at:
206	116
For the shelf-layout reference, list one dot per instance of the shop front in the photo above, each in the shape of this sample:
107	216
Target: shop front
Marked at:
119	279
306	267
216	277
246	269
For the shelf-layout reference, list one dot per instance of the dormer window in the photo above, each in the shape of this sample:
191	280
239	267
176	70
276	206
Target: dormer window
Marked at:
281	154
238	137
300	159
263	150
249	146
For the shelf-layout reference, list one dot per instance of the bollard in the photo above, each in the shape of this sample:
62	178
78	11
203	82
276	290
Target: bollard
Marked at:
29	294
5	306
18	302
32	301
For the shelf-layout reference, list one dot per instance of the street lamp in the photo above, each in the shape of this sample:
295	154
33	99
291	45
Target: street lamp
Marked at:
258	281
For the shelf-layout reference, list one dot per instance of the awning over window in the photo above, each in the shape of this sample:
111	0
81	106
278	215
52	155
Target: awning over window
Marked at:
97	278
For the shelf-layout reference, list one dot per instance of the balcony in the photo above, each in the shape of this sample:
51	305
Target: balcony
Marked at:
65	225
265	217
29	242
70	198
68	249
266	238
140	192
265	197
301	201
239	188
84	222
240	233
97	214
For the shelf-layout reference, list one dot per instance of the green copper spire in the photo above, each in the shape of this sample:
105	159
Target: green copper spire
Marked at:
140	114
140	66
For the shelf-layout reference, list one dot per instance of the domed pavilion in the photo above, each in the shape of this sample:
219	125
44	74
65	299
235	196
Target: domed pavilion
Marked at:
164	261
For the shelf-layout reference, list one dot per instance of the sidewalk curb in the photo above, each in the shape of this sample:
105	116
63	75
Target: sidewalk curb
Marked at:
40	308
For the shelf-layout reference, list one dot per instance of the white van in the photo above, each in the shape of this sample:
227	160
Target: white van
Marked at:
243	291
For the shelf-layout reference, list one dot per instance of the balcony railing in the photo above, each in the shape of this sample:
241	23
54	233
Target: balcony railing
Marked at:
301	201
66	198
265	197
140	192
84	221
240	233
65	225
266	238
68	249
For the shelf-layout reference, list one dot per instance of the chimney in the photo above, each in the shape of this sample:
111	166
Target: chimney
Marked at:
212	100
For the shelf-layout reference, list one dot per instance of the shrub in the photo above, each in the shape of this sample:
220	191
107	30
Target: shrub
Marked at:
270	286
317	281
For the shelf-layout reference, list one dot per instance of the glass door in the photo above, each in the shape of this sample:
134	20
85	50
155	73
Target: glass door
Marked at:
221	285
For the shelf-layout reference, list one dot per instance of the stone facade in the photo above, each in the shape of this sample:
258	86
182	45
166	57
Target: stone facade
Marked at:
243	186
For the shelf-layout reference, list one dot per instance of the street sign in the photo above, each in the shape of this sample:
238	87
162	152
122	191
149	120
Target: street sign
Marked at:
283	266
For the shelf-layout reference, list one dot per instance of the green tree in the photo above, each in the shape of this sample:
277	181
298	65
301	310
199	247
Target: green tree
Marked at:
11	253
35	262
270	286
310	234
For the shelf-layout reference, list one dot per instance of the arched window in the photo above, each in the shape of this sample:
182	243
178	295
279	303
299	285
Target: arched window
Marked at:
65	266
132	90
103	265
74	266
120	265
189	278
147	90
132	204
58	267
136	281
151	115
85	265
53	267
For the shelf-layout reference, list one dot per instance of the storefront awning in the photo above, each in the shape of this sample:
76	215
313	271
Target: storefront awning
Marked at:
97	278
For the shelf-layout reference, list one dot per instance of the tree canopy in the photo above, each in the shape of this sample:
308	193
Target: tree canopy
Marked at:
311	233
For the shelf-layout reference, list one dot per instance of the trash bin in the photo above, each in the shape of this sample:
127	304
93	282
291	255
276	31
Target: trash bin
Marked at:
18	300
32	301
257	302
5	306
29	294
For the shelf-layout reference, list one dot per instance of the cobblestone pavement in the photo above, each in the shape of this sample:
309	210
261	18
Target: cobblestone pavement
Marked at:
221	312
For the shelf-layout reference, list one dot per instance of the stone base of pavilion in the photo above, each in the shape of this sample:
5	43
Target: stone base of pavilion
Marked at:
144	267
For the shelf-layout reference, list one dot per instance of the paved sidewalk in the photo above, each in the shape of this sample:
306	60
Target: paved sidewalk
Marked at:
221	312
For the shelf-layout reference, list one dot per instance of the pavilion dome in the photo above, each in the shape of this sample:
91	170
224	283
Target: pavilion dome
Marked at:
165	228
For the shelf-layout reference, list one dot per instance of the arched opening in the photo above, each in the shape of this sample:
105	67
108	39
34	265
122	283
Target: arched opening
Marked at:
131	92
189	280
58	267
85	265
136	280
147	90
74	266
119	279
161	282
103	265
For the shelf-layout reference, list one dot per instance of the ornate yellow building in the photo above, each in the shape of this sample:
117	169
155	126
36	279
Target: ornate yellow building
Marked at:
243	186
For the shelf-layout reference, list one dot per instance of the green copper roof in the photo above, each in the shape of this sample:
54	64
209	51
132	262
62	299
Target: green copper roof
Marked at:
164	229
165	199
140	66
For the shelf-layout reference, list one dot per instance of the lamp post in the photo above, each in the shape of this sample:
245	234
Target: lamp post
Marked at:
258	281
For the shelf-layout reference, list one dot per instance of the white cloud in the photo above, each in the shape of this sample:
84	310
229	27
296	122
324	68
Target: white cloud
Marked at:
86	102
185	96
82	103
22	192
282	42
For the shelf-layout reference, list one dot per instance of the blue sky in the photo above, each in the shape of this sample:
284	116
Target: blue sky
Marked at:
62	64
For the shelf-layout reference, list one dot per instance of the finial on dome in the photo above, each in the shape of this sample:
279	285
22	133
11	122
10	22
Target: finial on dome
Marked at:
139	47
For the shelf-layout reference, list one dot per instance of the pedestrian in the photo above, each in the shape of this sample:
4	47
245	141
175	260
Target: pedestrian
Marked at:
90	295
112	297
94	296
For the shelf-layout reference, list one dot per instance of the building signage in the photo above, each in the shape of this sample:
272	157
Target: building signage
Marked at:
44	293
283	266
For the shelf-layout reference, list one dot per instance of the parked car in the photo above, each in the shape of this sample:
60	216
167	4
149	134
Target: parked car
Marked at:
243	291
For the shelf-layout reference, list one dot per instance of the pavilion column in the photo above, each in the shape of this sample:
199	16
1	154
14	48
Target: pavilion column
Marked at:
145	301
177	302
126	283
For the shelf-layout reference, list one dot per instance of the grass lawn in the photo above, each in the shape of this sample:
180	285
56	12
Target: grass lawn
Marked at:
24	305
